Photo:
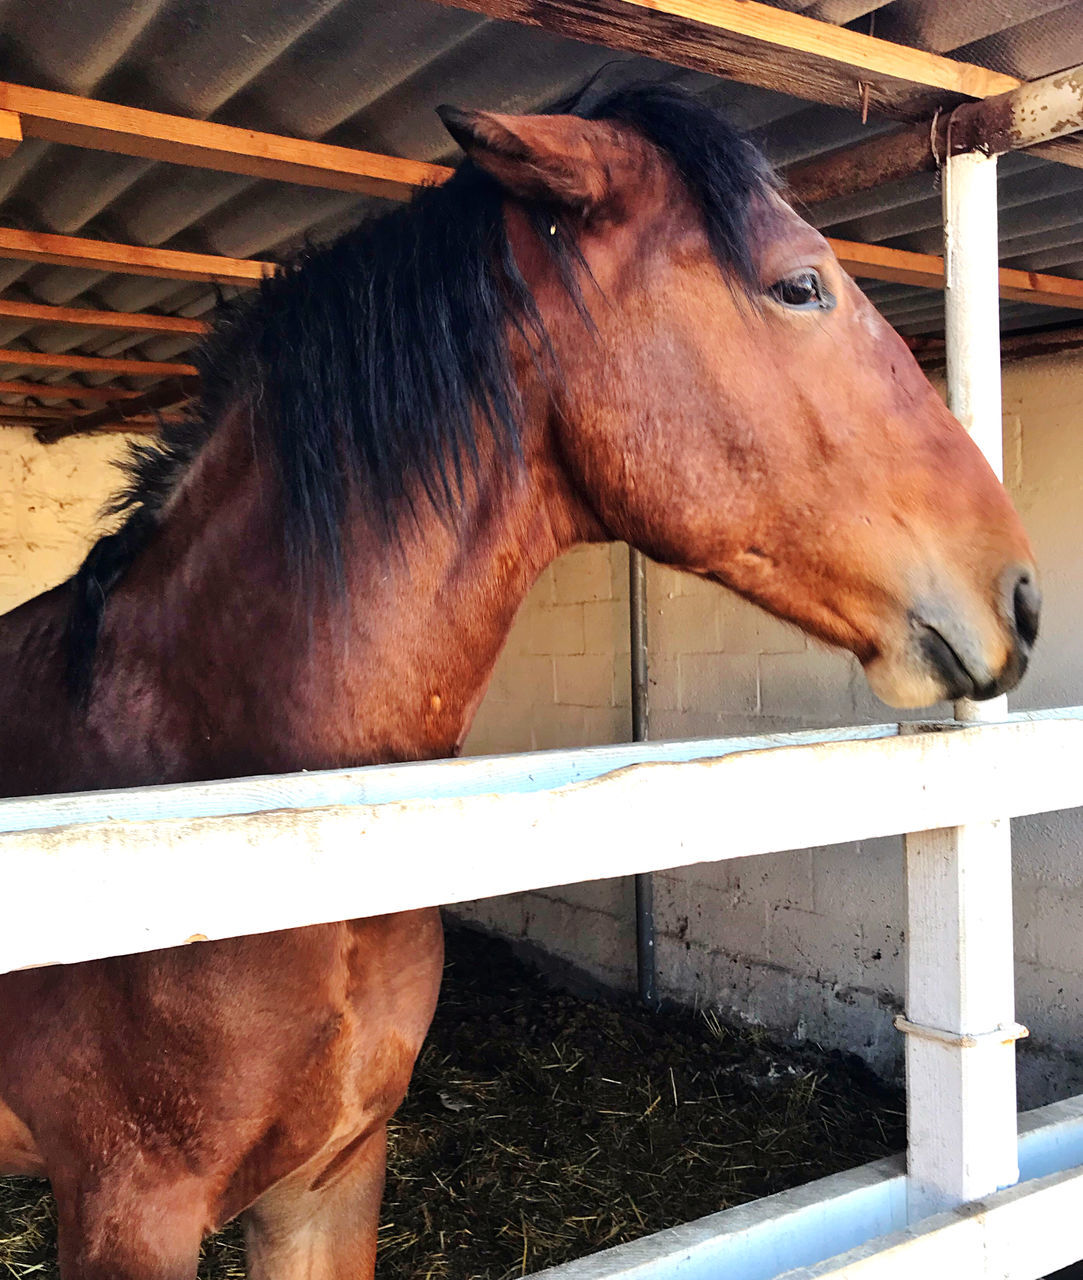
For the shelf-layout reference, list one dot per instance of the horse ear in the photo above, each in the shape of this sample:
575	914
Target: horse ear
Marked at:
551	158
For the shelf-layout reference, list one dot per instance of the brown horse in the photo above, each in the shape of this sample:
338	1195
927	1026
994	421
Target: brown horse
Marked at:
606	326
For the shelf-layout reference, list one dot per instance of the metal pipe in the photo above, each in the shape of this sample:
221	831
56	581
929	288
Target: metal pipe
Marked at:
644	884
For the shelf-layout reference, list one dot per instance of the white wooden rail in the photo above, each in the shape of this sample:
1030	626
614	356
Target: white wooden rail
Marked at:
85	874
254	855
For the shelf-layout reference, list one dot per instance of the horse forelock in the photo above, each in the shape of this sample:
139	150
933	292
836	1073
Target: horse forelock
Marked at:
369	366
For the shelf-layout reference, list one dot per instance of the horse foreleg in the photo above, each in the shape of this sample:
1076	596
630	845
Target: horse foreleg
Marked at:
138	1228
322	1229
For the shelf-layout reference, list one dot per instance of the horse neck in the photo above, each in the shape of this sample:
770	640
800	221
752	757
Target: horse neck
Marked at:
213	666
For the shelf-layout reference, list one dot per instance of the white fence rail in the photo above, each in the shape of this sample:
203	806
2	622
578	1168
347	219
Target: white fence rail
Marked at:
86	870
85	875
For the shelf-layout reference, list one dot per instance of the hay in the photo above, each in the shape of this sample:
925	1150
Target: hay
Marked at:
541	1126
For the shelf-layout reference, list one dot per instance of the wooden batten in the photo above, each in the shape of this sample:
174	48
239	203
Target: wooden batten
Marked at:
153	135
41	313
926	270
64	391
11	132
130	259
97	364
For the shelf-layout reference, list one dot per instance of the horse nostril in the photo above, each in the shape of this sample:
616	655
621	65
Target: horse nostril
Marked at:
1027	605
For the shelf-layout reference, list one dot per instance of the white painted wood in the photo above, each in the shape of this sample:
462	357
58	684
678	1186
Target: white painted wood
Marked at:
427	779
378	784
113	887
959	979
803	1232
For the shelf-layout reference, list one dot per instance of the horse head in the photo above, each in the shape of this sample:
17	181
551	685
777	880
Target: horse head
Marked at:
736	407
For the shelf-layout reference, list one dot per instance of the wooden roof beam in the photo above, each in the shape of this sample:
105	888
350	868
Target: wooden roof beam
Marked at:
757	44
131	259
1043	114
40	313
153	135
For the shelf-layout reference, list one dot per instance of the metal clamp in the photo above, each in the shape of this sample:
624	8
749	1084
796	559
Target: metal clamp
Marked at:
1004	1034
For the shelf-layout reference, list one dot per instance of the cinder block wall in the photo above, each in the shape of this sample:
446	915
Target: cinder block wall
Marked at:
810	943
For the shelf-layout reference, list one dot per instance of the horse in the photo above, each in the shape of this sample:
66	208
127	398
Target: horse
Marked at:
608	324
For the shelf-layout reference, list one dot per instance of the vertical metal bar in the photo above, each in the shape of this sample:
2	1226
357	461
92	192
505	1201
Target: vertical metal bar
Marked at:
637	624
960	998
644	884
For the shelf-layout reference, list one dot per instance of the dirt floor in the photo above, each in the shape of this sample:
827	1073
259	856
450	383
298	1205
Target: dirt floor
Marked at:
542	1126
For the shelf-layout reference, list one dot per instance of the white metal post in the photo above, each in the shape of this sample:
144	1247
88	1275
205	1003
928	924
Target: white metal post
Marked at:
960	999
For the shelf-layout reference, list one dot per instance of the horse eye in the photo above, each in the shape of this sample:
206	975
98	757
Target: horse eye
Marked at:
803	291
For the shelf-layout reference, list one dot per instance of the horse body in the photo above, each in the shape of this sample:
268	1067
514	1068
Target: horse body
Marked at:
167	1092
267	1062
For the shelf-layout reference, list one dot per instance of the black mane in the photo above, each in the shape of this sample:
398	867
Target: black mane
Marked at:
370	364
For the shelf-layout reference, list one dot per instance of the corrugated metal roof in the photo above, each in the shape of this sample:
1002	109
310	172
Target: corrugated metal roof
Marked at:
368	73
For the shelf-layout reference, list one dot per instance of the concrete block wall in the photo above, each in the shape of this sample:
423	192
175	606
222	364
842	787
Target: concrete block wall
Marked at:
811	943
563	681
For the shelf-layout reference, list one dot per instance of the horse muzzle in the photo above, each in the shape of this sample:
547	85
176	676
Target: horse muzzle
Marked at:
951	651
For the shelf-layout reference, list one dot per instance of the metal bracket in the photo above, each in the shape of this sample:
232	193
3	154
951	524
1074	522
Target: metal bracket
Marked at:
1004	1034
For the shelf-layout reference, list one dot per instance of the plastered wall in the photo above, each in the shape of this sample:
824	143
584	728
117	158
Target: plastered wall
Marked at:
808	943
49	501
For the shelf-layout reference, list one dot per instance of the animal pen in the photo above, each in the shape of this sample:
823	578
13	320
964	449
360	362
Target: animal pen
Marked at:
982	1192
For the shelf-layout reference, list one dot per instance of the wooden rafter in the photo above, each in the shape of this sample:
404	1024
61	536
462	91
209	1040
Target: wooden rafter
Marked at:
107	126
131	259
757	44
96	364
899	266
40	313
171	393
64	391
